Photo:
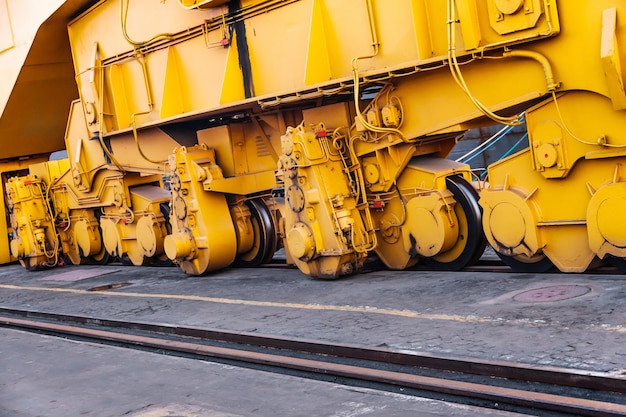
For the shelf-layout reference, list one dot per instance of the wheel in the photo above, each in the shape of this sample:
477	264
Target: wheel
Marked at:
161	259
72	260
138	261
619	263
36	263
535	264
265	240
101	258
471	241
166	211
68	260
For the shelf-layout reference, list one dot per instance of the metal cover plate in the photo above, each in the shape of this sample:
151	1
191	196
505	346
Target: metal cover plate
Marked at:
77	275
552	293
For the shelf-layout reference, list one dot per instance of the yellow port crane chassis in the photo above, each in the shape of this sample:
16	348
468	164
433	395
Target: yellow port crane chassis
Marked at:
211	133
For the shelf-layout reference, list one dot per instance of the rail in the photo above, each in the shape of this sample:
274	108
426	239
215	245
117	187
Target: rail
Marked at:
500	384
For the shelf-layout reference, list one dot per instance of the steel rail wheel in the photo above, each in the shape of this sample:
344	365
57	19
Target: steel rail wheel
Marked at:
162	259
73	257
101	258
35	263
521	263
618	263
265	239
471	241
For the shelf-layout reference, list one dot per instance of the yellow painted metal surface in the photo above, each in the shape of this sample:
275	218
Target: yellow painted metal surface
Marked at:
11	169
188	61
566	207
34	242
203	237
347	109
612	58
328	227
36	75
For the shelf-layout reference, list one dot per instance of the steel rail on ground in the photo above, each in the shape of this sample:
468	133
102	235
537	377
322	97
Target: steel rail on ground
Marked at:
496	394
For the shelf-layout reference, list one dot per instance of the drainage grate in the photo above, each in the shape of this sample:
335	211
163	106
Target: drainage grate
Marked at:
552	293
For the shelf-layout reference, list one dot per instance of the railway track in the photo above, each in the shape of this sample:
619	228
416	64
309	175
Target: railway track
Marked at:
489	266
501	385
489	262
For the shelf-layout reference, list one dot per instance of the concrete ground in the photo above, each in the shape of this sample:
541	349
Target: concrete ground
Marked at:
50	377
563	320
